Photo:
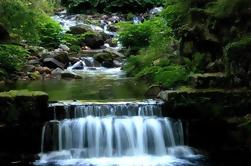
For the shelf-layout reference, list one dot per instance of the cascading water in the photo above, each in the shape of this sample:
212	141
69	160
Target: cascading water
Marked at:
88	65
113	134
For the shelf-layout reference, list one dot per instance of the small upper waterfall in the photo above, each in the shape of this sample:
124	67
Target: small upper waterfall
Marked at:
88	65
112	133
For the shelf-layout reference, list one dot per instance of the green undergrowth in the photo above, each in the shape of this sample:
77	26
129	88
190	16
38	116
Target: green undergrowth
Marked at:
155	57
28	20
12	57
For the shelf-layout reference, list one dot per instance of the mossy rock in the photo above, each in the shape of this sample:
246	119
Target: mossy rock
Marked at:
238	61
192	103
208	80
104	56
22	106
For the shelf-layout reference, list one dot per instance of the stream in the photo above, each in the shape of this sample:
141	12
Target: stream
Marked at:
104	119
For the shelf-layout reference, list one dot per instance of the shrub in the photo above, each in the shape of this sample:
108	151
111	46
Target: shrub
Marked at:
24	21
49	31
135	36
12	57
167	76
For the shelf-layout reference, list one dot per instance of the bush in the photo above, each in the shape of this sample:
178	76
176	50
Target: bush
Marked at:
135	36
157	60
49	31
26	21
12	57
167	76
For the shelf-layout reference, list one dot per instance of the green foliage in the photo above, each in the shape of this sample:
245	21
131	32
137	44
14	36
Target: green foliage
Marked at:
157	59
175	12
49	31
224	9
110	5
135	36
12	57
73	41
167	76
26	21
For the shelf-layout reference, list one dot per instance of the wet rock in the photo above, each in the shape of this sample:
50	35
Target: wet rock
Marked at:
64	47
117	63
34	62
57	71
73	60
206	103
239	61
79	29
79	65
153	91
91	62
107	64
93	41
103	56
209	80
43	70
69	75
61	55
53	63
28	68
114	53
22	116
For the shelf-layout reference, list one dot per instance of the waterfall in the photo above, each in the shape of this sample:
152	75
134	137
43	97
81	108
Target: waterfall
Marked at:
93	132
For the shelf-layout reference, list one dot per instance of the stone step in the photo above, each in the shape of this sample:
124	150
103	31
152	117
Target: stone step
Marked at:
208	80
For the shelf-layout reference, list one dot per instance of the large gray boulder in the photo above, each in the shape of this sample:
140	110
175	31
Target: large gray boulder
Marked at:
79	29
69	75
53	63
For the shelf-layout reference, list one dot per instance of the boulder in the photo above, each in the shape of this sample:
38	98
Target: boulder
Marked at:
53	63
107	64
103	56
22	116
33	62
64	47
114	53
73	60
61	55
57	71
209	80
43	70
93	41
117	63
79	29
153	91
69	75
192	103
28	68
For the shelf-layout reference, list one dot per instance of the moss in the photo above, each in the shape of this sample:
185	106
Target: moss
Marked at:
237	59
207	103
235	48
26	93
224	9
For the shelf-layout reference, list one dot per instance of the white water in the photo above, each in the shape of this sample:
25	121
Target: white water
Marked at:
89	66
94	134
111	134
